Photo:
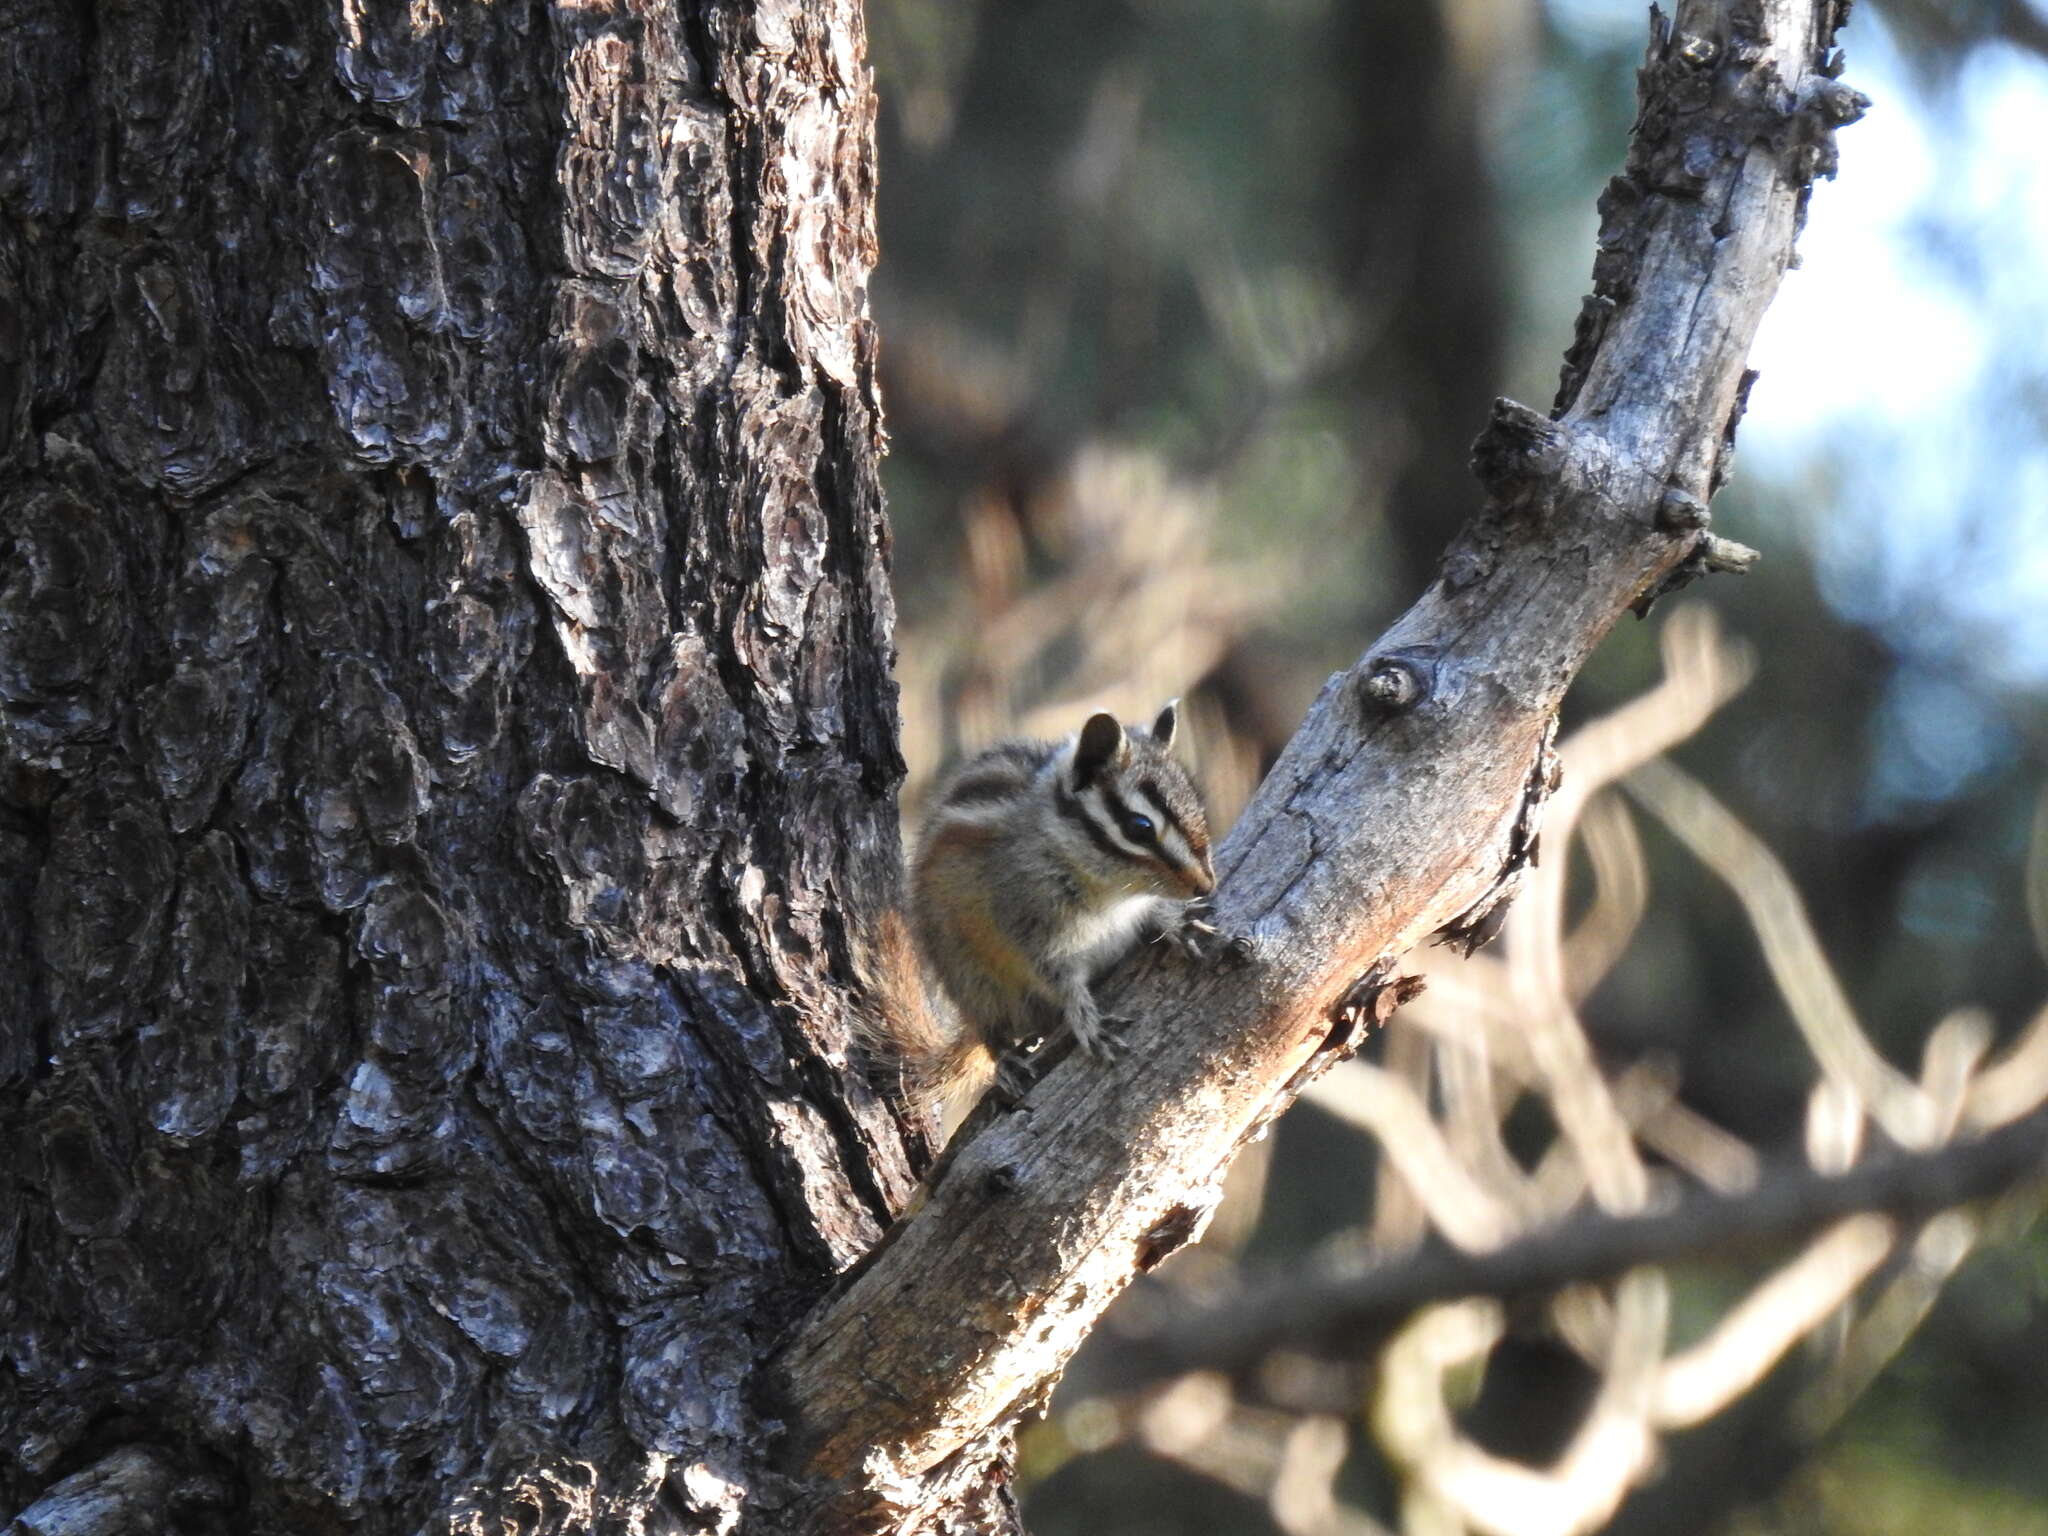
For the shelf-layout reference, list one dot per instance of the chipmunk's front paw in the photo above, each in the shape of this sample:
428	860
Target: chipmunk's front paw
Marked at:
1199	939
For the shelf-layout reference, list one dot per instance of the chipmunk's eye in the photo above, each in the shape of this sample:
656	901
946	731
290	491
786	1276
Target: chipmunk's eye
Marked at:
1138	828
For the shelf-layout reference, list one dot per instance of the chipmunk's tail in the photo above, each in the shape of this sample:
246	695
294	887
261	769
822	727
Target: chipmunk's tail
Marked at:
909	1032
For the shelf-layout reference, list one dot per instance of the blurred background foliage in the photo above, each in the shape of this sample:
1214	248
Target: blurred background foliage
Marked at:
1191	309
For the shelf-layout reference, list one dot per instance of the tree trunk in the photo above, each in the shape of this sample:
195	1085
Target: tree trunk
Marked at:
449	761
447	743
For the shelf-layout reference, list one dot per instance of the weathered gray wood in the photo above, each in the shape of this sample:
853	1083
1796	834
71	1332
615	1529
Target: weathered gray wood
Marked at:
445	735
1403	807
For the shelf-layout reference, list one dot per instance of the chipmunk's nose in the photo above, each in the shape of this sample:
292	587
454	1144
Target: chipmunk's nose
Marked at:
1205	878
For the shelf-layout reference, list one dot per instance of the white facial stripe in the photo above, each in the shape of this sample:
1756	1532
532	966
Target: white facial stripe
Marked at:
1098	825
1177	850
1092	815
1137	803
1170	846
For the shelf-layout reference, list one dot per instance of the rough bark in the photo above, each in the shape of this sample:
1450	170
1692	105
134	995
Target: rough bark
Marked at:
446	737
1403	807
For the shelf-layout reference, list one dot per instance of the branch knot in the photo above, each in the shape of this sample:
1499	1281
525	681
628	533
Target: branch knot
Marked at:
1399	680
1519	454
1680	511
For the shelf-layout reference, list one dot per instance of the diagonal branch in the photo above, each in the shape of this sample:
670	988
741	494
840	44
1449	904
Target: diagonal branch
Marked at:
1405	805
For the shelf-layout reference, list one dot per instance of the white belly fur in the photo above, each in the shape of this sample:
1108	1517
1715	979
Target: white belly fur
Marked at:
1101	937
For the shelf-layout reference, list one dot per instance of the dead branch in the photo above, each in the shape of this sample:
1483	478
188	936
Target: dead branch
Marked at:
1351	1315
1406	804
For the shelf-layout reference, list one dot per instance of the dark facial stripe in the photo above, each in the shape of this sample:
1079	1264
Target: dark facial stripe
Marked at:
1198	844
1069	805
1118	810
1149	788
1158	851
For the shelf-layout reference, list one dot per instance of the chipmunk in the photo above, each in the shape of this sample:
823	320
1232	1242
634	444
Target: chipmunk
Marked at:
1038	865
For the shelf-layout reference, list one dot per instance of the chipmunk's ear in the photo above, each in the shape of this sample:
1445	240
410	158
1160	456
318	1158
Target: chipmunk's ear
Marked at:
1163	727
1102	743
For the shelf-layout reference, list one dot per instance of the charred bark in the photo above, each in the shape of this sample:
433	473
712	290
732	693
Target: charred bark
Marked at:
447	738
